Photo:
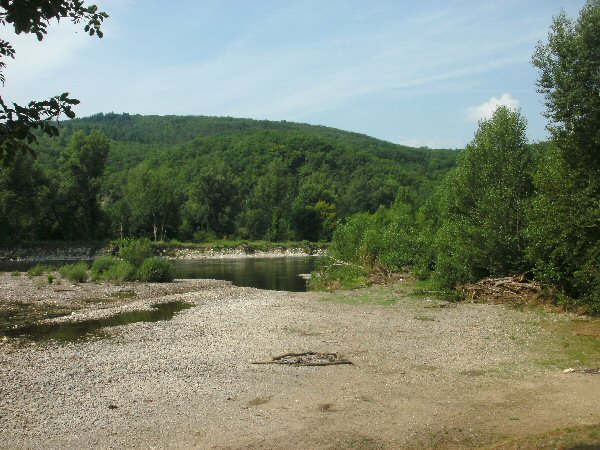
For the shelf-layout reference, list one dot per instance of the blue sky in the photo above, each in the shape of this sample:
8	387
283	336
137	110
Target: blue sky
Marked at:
417	73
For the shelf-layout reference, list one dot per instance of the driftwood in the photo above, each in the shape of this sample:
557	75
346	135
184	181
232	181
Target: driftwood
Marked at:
512	289
306	359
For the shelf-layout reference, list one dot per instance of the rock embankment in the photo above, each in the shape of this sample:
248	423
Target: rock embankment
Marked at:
241	252
50	253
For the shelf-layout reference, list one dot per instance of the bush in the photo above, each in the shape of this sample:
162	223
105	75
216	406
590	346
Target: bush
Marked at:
331	274
156	269
135	251
74	272
119	271
101	265
38	270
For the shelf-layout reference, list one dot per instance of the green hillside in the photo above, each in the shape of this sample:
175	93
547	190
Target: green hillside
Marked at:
192	177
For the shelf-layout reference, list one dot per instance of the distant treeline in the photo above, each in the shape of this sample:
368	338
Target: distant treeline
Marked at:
507	208
196	178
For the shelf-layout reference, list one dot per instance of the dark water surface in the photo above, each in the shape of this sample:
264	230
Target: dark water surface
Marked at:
278	274
73	331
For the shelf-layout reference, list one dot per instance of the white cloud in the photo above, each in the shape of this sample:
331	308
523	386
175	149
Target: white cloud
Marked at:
486	110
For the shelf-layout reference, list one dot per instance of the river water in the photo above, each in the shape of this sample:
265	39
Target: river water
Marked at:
279	273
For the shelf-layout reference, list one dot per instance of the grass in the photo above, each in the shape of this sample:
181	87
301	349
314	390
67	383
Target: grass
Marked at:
573	343
364	444
425	318
76	273
38	269
374	295
585	437
428	289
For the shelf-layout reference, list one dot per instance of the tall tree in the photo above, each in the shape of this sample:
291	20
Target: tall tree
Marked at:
26	203
564	226
153	202
81	166
17	122
483	204
213	202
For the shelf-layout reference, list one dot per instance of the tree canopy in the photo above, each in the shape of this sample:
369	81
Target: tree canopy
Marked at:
17	122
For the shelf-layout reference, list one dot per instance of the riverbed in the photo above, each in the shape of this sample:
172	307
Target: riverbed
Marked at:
424	373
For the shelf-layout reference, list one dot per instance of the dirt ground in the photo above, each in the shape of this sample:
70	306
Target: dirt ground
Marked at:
425	374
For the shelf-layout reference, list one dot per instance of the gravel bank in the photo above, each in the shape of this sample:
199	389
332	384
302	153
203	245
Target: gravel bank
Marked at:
188	383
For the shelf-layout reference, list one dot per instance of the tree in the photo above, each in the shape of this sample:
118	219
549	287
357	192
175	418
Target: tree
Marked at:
81	166
213	203
153	202
17	122
26	202
483	204
564	228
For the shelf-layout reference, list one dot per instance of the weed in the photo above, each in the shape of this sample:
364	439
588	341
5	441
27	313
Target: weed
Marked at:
120	271
37	270
157	270
76	273
425	318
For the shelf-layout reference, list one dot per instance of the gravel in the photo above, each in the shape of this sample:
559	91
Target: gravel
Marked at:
188	382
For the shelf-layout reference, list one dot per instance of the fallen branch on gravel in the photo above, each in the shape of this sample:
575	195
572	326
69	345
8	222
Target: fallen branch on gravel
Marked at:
306	359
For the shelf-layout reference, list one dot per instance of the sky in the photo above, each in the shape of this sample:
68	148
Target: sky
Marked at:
418	73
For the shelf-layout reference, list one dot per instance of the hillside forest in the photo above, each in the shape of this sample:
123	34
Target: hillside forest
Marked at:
500	206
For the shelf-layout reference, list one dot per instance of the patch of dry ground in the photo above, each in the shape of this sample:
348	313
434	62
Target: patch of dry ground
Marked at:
423	376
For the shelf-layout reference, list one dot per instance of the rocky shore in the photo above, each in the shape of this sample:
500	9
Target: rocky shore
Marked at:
78	253
421	372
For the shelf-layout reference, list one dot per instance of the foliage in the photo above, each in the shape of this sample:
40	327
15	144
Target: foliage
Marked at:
381	240
81	166
564	229
157	270
119	271
37	270
152	202
101	265
218	178
77	272
482	204
135	251
17	123
331	274
26	200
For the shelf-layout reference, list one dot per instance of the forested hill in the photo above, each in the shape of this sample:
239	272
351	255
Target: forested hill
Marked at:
162	131
189	177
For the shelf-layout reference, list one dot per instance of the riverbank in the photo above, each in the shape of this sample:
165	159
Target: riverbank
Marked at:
77	251
426	373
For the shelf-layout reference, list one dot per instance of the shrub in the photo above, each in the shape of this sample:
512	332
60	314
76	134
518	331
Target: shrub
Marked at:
16	273
331	274
37	270
101	265
119	271
156	269
135	251
75	272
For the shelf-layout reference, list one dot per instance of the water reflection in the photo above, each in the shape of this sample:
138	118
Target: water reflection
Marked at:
279	274
73	331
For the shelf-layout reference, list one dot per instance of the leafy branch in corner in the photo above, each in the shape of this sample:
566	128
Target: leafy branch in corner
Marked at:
18	123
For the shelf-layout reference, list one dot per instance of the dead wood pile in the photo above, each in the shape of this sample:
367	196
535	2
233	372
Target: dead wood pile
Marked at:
515	289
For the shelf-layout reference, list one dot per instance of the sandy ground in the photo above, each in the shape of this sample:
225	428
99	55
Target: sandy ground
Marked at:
423	376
